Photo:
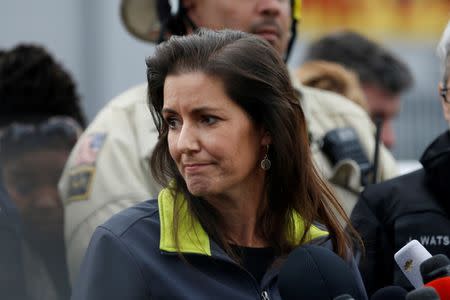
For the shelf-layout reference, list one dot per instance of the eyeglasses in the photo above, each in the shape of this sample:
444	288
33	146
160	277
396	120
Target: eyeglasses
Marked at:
443	93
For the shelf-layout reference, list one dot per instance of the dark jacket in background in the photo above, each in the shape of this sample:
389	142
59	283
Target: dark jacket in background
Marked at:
413	206
24	274
12	279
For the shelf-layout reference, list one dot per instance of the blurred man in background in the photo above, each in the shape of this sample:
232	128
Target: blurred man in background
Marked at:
383	76
109	168
413	206
40	121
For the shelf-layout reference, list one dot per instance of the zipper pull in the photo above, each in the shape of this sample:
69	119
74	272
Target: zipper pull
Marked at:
265	295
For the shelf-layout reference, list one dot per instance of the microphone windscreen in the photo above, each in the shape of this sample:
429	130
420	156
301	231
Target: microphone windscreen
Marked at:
424	293
314	272
435	267
442	287
409	258
391	292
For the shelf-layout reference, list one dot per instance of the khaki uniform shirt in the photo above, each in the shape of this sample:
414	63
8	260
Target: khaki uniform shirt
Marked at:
108	170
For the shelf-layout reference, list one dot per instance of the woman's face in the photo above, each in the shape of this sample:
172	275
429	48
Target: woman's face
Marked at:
213	142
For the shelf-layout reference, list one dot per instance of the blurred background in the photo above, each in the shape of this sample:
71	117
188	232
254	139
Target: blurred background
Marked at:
88	38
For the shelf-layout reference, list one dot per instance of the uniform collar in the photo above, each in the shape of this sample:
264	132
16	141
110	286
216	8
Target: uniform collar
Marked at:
192	237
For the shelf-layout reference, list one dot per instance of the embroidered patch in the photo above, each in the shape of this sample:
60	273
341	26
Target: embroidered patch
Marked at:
80	182
82	174
89	148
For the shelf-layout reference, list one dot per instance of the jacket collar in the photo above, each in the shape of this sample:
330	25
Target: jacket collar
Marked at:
436	163
192	237
437	152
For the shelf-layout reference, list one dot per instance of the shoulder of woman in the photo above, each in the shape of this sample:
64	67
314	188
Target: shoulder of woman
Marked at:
133	218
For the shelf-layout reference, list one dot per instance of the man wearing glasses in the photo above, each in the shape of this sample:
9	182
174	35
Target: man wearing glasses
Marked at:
413	206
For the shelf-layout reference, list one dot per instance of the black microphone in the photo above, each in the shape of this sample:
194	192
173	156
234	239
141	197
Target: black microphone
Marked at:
314	272
391	292
436	274
435	267
425	293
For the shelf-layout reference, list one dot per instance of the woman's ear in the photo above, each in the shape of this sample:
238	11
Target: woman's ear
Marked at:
266	138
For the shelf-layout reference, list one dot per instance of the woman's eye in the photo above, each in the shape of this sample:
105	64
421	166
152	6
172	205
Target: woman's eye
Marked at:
173	123
209	120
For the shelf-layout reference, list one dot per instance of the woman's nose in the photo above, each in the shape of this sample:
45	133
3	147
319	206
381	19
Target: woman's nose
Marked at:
188	138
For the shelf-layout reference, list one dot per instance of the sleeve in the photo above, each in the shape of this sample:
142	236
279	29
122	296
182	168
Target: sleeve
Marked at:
109	271
107	172
375	263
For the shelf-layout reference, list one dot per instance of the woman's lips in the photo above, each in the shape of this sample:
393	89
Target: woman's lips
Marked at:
194	167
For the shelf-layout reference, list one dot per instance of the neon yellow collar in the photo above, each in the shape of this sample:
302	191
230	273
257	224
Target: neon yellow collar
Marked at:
192	237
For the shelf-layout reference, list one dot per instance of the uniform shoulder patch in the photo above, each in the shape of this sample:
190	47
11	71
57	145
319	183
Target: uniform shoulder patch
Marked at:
80	182
82	173
90	146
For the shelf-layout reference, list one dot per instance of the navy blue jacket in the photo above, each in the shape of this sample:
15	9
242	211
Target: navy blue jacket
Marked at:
134	256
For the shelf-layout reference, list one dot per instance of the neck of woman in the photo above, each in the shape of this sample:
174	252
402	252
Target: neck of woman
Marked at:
240	214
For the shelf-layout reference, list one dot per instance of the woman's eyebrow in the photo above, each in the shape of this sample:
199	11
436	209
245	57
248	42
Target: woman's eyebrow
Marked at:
203	109
196	110
168	111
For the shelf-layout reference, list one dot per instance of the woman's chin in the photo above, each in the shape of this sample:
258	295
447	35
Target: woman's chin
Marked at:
199	189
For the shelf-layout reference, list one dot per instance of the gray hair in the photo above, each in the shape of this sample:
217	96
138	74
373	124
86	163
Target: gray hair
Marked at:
443	52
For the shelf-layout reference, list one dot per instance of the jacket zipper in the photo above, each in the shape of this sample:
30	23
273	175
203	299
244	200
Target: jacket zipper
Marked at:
265	295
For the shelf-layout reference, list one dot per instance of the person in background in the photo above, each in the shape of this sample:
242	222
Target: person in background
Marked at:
40	121
413	206
108	170
241	187
383	76
11	277
332	77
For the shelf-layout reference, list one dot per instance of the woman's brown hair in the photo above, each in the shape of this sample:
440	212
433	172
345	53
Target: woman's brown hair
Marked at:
256	78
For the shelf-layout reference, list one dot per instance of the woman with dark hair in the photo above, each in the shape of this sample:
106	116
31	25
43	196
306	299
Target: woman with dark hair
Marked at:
241	188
